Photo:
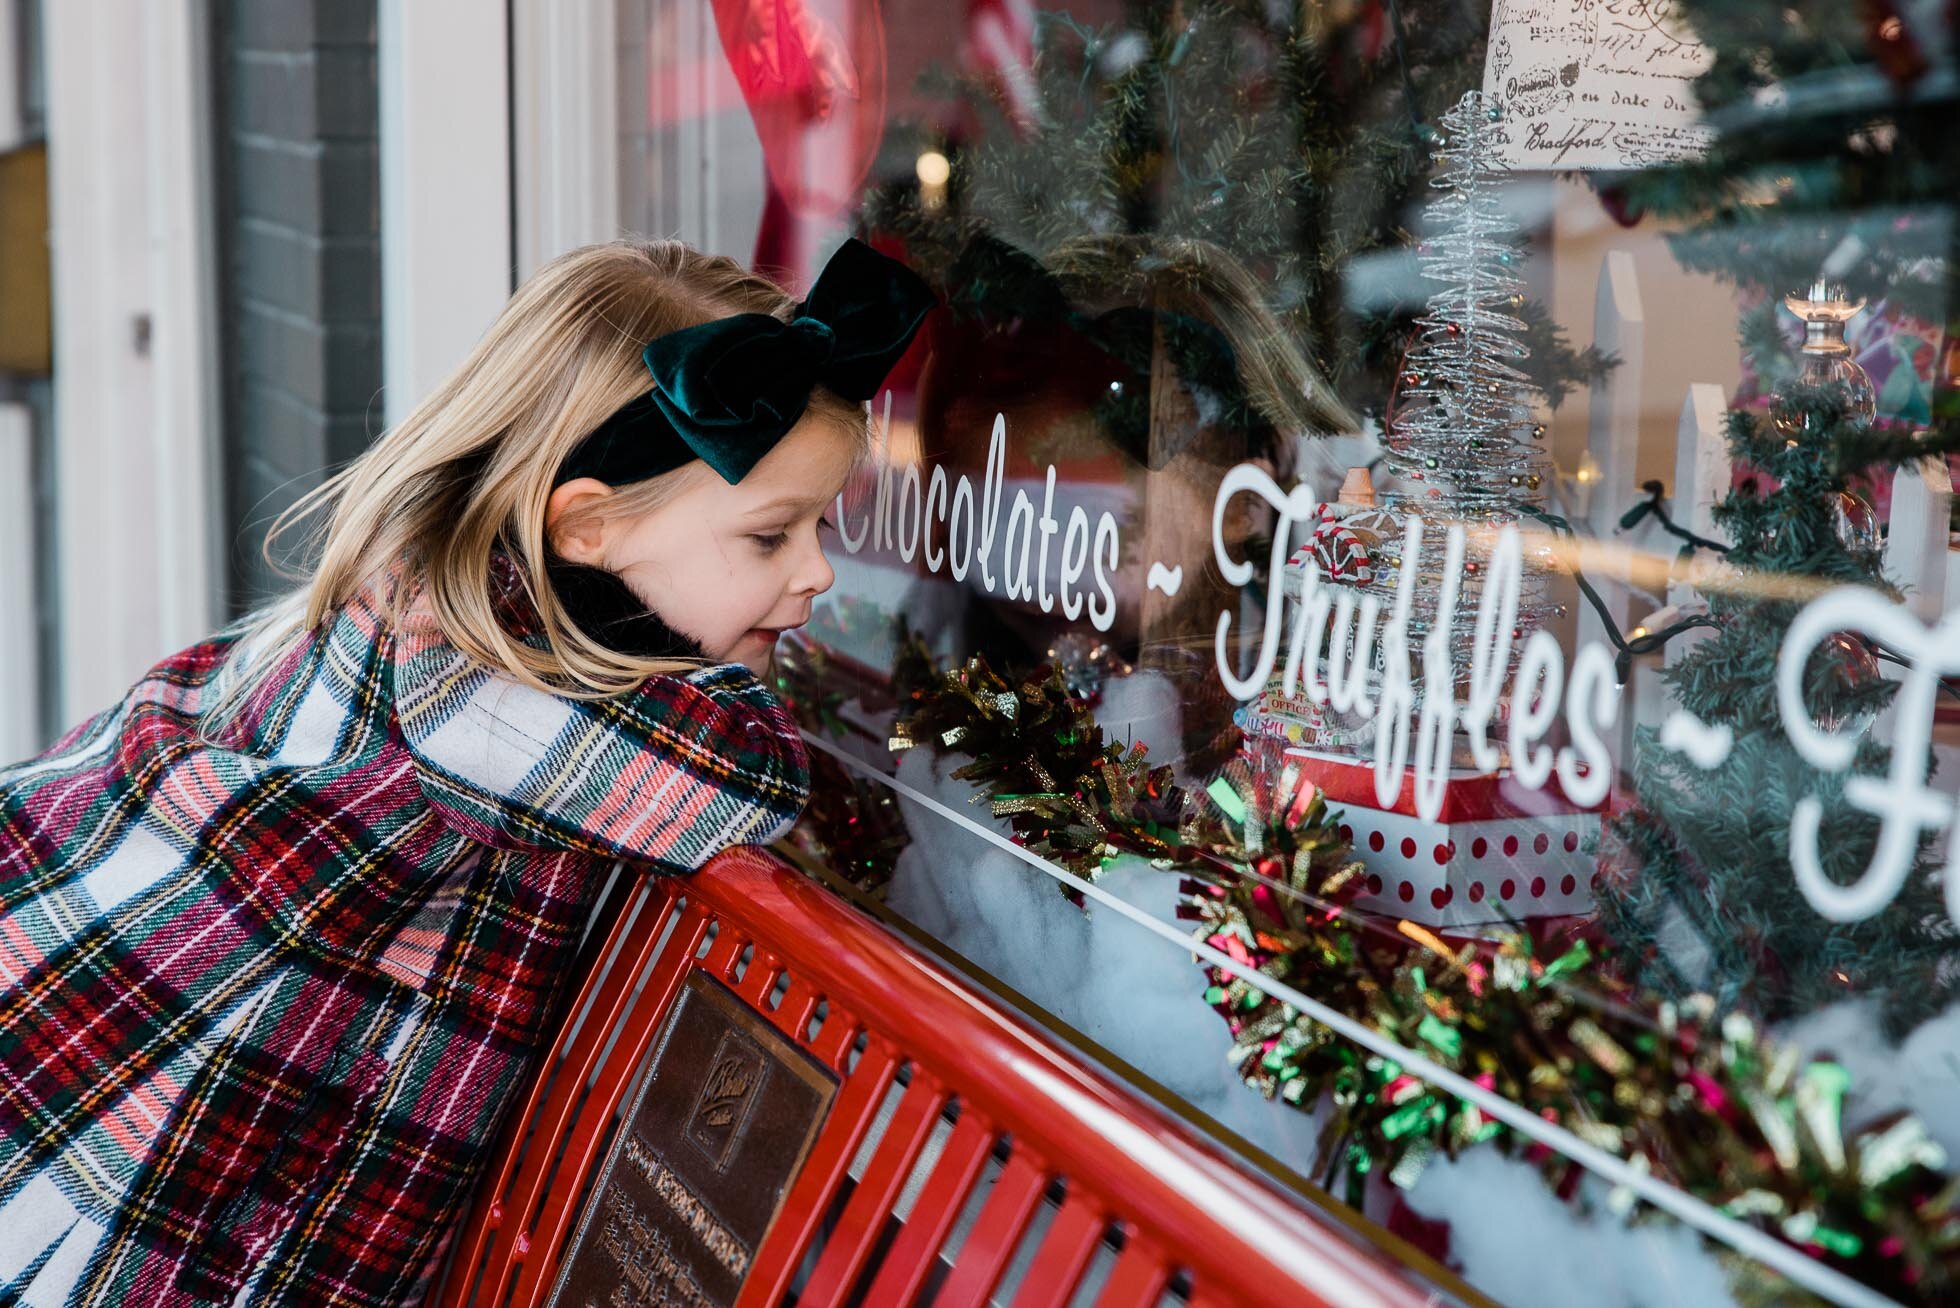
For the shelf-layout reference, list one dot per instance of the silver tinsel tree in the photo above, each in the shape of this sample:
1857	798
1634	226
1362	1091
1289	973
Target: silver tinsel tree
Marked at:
1463	442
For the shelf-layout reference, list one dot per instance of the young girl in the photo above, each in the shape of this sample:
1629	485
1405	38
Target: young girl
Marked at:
280	932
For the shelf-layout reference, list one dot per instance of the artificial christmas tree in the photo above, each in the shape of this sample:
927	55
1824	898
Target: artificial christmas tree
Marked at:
1464	437
1702	899
1701	895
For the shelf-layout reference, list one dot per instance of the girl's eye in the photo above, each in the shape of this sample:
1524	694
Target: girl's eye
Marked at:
826	523
770	542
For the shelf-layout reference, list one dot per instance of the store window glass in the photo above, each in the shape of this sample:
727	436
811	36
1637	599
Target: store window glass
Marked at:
1403	591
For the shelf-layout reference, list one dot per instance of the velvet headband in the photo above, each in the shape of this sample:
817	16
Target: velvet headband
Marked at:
728	390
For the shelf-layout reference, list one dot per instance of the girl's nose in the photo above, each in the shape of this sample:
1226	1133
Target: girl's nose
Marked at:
814	574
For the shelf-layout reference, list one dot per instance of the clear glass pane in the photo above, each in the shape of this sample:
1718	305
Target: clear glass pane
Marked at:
1425	509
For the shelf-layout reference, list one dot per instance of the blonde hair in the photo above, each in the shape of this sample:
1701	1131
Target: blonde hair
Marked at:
471	469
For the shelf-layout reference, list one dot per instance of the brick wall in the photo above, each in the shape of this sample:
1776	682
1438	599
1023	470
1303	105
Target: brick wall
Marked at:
300	297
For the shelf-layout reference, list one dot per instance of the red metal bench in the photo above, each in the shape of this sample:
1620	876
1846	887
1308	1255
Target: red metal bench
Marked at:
1059	1174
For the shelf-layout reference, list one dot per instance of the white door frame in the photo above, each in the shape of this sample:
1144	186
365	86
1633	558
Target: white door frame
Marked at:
10	67
446	247
20	655
565	58
136	393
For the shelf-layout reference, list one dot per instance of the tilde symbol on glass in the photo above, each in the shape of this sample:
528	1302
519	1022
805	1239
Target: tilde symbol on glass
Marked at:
1705	746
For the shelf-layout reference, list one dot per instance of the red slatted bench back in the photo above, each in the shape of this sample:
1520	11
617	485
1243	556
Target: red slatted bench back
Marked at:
1146	1207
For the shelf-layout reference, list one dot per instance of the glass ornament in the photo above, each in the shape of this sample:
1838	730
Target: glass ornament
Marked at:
1855	522
1826	360
1841	667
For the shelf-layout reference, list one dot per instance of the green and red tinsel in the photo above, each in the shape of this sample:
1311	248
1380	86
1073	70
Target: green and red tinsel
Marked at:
1704	1100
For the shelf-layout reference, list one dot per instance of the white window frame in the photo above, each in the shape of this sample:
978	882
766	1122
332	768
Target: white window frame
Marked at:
132	238
445	128
578	108
20	655
11	127
565	65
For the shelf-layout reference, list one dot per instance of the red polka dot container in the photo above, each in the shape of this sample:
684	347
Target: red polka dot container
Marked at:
1496	852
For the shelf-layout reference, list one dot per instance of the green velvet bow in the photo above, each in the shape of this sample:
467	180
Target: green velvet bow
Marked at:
730	389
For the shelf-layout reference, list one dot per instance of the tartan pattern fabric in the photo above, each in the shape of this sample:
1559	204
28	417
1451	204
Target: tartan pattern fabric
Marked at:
261	1006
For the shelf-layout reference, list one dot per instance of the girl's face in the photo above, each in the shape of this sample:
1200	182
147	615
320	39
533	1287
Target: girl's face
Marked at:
731	566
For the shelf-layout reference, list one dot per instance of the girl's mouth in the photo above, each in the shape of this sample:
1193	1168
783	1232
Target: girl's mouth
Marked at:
773	634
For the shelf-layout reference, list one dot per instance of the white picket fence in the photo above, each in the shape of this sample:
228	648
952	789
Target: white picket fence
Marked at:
1915	553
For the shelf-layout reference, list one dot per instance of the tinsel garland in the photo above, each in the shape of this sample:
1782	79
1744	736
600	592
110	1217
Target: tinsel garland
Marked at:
1703	1100
852	825
1047	769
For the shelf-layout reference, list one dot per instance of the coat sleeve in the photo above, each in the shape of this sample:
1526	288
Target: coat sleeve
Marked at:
670	773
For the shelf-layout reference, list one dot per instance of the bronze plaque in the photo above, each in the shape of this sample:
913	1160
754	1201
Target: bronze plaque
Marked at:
725	1112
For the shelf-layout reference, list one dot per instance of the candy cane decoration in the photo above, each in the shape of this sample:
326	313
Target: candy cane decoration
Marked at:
1336	549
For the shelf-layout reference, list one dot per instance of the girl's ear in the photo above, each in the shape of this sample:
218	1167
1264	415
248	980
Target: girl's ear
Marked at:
572	524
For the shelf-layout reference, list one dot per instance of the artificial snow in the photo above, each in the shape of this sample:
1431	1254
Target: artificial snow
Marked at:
1517	1241
1140	998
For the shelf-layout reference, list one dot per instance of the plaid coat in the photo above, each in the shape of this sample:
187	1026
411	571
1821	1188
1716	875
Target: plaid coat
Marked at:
261	1006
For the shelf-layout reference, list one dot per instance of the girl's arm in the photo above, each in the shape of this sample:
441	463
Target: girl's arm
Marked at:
670	774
